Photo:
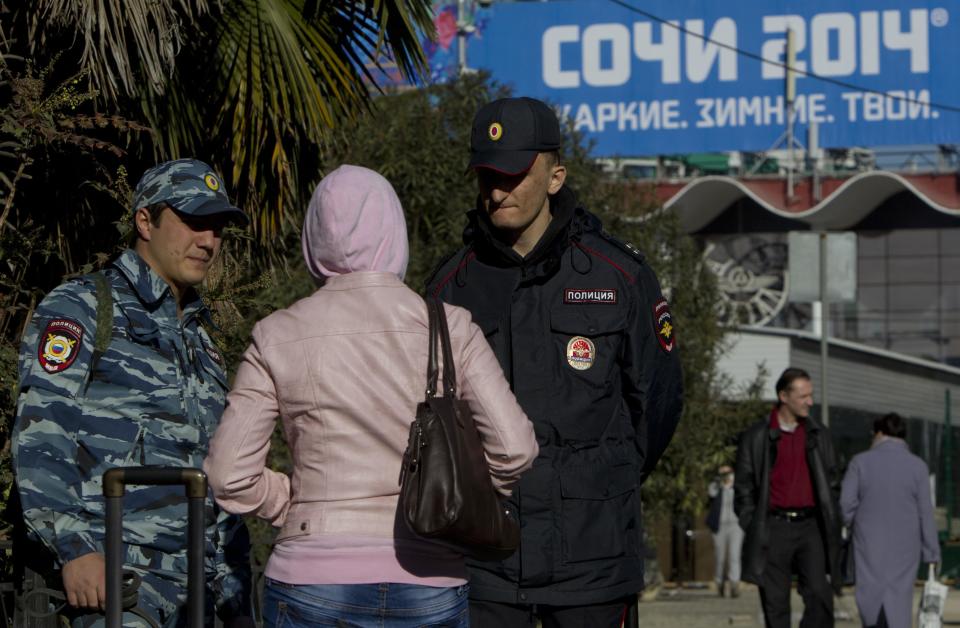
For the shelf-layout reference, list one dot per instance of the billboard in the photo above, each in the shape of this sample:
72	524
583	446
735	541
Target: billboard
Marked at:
644	77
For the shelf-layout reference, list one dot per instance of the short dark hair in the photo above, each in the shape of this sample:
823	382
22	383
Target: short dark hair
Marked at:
553	157
155	210
789	376
891	424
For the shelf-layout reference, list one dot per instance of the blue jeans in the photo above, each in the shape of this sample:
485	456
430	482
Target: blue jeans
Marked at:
386	605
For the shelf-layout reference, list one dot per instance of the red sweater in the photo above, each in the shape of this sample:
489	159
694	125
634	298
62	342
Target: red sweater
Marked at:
790	485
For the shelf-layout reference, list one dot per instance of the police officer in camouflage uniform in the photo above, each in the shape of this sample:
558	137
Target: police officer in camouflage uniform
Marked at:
152	394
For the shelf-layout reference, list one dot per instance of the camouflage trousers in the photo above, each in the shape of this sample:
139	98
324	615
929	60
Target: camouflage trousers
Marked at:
161	603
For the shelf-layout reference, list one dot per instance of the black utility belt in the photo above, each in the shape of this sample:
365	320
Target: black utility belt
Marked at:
793	514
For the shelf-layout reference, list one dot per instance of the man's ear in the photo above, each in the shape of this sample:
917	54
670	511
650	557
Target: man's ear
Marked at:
557	178
142	223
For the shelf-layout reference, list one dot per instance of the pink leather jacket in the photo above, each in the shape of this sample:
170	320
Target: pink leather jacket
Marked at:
344	369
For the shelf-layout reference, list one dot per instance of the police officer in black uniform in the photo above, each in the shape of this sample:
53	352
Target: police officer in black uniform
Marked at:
586	339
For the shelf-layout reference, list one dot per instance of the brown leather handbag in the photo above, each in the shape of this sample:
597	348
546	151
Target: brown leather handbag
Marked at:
445	489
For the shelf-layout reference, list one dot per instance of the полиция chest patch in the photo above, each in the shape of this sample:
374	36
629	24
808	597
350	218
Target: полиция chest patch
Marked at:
605	296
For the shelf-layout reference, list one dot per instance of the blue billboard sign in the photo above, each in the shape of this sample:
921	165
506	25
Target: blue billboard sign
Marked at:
644	77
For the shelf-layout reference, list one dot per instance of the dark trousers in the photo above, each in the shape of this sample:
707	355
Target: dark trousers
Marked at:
881	621
485	614
796	547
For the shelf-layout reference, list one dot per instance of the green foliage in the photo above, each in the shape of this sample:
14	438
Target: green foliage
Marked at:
419	141
254	87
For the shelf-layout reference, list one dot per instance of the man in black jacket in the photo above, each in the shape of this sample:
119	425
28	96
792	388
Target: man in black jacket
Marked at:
586	339
786	494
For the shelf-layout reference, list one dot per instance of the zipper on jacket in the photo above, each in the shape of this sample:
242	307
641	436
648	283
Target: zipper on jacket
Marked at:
508	329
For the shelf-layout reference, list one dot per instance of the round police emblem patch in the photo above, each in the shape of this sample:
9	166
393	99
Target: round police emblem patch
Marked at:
495	131
581	353
59	345
212	182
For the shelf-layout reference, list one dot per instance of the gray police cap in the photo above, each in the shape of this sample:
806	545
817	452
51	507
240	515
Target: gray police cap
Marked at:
188	186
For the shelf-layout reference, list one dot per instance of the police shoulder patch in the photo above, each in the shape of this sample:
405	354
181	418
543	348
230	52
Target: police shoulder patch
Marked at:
59	344
663	325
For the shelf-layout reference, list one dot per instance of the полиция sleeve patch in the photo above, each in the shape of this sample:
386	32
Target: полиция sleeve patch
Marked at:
59	344
663	325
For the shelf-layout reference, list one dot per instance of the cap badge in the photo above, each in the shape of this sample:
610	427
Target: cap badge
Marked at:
212	182
581	353
495	131
58	344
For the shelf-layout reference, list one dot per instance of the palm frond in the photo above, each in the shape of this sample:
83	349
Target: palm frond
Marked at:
256	87
278	77
126	43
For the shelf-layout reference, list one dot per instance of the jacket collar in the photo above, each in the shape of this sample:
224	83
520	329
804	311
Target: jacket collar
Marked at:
891	443
151	289
480	234
362	279
810	425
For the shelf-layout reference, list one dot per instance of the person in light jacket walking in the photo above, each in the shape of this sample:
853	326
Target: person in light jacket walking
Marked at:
727	533
885	496
345	369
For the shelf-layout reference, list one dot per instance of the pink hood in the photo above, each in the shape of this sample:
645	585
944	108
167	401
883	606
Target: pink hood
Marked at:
354	223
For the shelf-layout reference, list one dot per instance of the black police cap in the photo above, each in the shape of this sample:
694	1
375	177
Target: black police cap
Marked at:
508	134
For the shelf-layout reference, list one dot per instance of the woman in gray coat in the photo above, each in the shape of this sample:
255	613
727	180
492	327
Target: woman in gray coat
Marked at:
886	499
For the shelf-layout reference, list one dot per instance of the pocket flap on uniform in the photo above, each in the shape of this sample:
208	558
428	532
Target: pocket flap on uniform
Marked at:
579	322
590	482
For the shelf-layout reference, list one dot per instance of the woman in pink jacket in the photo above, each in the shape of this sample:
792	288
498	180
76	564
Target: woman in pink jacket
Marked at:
344	369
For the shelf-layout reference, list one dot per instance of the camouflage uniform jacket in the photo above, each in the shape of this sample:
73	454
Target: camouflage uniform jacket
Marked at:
153	398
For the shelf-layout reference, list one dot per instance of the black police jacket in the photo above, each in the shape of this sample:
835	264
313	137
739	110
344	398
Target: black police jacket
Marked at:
587	342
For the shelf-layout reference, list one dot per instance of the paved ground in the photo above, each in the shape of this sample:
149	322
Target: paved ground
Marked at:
703	608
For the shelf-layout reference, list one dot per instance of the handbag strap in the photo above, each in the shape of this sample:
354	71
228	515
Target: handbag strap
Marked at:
438	330
432	366
449	370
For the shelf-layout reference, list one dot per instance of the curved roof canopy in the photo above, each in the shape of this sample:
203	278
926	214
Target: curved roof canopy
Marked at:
846	201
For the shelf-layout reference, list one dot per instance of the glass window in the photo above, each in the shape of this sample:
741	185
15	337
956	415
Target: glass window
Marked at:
950	267
913	269
914	298
911	242
950	241
872	299
950	299
904	325
872	327
872	244
872	270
